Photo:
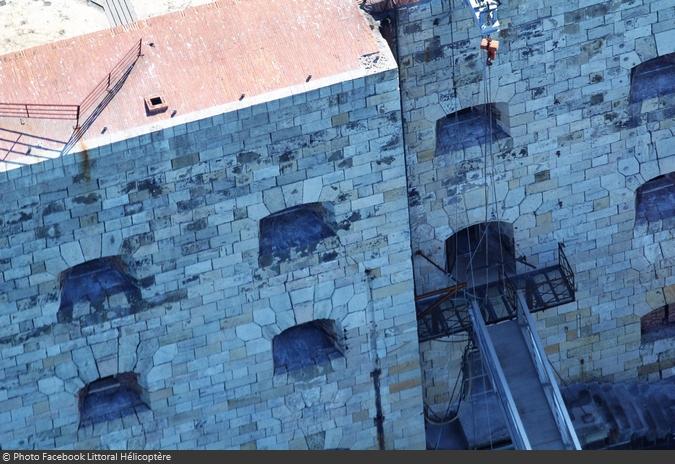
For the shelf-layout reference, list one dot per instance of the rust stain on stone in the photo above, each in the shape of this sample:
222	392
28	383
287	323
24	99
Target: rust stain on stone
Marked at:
85	162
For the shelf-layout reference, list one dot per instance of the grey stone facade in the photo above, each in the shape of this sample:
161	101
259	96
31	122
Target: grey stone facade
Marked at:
181	208
576	152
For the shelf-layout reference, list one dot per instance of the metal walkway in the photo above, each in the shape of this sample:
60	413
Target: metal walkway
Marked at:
498	317
528	394
535	412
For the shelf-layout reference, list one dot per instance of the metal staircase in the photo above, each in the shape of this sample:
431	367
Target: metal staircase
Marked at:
498	317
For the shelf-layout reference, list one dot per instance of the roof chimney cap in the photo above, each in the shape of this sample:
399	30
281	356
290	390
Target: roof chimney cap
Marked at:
155	104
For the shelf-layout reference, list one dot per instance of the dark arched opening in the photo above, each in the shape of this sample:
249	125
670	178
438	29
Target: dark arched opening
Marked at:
655	199
471	126
653	78
294	231
105	287
658	324
481	253
110	398
310	344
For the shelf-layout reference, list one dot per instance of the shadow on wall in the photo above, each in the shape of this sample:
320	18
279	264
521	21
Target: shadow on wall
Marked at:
658	324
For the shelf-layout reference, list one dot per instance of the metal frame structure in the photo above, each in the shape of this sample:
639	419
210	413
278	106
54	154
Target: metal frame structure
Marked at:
76	112
485	13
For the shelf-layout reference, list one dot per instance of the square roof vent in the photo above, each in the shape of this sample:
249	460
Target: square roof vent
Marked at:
155	104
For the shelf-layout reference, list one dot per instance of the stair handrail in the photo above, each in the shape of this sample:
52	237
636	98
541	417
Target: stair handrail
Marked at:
489	355
546	376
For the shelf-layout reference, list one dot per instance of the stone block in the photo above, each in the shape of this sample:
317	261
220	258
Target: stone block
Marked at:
50	385
302	295
72	253
264	316
165	354
247	332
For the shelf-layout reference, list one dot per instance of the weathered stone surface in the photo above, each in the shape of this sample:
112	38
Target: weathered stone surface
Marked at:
575	116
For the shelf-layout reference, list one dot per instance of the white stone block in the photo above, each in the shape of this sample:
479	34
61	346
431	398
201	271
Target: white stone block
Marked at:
257	346
342	295
111	243
264	316
50	385
358	302
72	254
257	211
354	320
302	295
311	190
157	374
165	354
665	41
91	247
280	302
247	332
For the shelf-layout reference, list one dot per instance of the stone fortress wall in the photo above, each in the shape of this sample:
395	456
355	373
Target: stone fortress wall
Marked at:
571	146
198	291
166	227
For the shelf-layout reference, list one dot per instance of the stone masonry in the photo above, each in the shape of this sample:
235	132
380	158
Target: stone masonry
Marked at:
181	208
576	152
176	215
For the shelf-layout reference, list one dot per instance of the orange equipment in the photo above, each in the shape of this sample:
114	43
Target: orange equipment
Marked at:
491	47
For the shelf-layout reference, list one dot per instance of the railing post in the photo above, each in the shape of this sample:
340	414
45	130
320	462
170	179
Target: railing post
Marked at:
77	118
27	113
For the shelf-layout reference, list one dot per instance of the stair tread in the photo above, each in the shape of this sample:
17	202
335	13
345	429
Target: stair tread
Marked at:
527	392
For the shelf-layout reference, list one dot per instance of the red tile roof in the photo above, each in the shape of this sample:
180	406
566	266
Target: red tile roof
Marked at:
200	58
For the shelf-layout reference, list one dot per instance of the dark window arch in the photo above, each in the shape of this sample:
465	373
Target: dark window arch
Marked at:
110	398
655	199
104	284
653	78
658	324
481	252
310	344
471	126
298	229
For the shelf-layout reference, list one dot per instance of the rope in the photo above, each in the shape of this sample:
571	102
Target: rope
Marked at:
487	155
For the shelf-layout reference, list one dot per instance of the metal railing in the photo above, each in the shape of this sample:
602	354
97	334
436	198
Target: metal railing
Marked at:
108	82
546	376
75	112
564	263
491	361
102	94
39	111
